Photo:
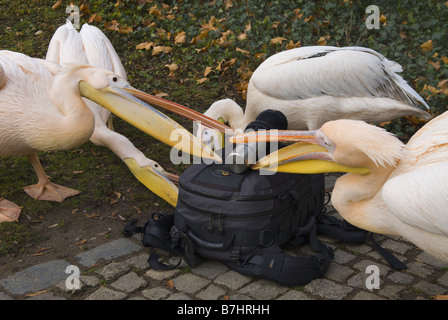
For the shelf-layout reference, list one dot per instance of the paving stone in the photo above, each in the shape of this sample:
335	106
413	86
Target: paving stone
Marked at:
178	296
363	264
342	257
327	289
139	262
114	270
263	290
36	278
429	288
239	296
211	293
400	277
232	280
367	296
162	274
156	293
108	251
337	272
294	295
104	293
359	281
430	260
129	282
189	283
391	291
359	247
444	279
210	269
90	281
4	296
46	296
63	287
420	269
396	246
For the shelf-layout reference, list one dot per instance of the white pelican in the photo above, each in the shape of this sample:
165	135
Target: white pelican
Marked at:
316	84
393	188
91	46
41	109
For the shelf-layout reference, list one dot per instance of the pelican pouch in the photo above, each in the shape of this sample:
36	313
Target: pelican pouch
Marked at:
245	220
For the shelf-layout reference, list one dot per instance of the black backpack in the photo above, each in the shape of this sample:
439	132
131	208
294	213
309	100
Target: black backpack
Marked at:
245	220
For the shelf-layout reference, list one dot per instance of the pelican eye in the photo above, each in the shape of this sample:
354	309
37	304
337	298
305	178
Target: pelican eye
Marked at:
114	79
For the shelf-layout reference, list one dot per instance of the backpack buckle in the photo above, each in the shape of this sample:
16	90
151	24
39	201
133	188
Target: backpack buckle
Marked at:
267	238
234	254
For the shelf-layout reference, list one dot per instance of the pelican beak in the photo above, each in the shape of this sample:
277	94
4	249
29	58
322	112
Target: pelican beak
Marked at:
158	181
180	109
306	156
147	119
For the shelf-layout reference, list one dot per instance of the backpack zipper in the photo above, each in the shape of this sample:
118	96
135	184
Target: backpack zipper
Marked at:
233	198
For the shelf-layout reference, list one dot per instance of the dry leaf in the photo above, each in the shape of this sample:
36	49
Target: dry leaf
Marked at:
207	71
144	45
170	283
80	242
75	210
242	36
292	45
436	65
278	40
93	215
95	18
77	171
161	49
173	67
444	59
242	51
309	19
57	4
115	198
323	40
180	38
124	29
383	19
161	94
228	4
202	80
427	46
44	249
137	209
111	25
36	293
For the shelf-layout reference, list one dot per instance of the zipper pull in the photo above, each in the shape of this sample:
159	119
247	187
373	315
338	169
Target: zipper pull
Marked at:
221	223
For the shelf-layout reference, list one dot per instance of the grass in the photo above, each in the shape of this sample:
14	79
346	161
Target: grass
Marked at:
224	41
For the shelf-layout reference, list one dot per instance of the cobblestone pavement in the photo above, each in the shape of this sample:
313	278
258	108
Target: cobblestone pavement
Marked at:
118	270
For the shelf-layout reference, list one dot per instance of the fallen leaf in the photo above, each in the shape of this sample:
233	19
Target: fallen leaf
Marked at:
440	297
137	209
80	242
95	18
77	171
93	215
427	46
323	40
114	199
180	38
278	40
36	293
202	80
56	5
124	30
172	67
242	36
144	45
436	65
383	19
292	45
161	94
161	49
111	25
53	226
170	284
36	254
444	59
207	71
243	51
75	211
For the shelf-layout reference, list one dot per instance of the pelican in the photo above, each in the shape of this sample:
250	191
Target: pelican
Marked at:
91	46
316	84
390	188
41	109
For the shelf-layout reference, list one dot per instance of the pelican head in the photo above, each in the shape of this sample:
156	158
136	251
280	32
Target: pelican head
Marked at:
349	146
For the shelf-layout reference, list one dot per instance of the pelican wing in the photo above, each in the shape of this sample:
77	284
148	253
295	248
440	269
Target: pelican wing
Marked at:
419	198
343	72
